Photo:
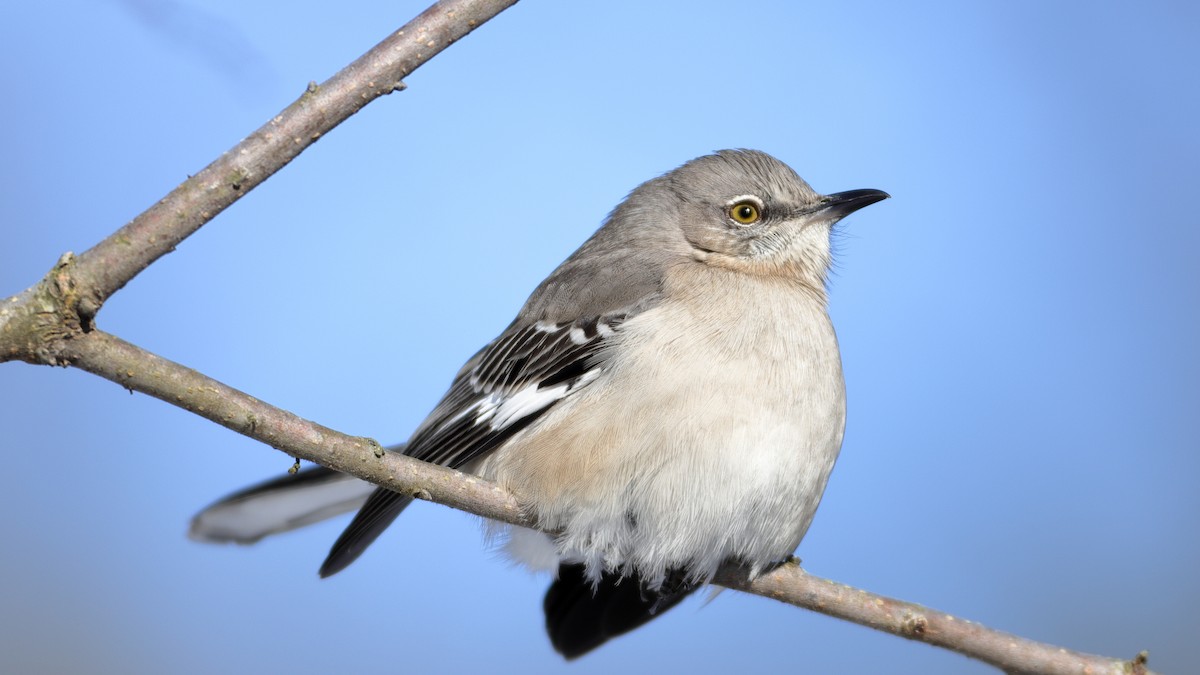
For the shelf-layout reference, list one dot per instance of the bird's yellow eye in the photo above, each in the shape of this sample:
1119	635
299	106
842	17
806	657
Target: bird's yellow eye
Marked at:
745	212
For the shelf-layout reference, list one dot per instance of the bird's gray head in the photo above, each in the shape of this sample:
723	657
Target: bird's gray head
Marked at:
747	211
737	209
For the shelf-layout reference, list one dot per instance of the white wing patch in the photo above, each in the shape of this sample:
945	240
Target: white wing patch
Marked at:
510	383
500	411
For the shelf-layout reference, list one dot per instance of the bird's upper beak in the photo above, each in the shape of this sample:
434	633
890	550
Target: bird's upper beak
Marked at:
841	204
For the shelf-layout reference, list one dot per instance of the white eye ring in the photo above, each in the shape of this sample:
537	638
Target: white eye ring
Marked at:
745	210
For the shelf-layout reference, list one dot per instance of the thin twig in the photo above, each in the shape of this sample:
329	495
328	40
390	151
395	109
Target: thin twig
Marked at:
108	266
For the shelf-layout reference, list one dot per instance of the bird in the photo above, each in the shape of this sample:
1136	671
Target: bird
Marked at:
669	400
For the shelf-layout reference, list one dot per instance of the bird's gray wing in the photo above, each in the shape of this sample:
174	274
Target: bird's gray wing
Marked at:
513	381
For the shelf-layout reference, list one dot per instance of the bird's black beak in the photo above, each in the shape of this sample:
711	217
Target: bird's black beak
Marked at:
841	204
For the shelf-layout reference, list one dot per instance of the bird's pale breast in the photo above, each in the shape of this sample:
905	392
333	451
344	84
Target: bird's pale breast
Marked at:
722	441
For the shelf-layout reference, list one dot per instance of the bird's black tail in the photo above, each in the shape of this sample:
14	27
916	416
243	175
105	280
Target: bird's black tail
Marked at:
580	618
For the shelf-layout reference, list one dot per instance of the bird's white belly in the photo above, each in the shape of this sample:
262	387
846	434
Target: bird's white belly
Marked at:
716	445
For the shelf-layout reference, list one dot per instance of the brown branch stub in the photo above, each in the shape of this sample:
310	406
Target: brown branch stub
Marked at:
1138	665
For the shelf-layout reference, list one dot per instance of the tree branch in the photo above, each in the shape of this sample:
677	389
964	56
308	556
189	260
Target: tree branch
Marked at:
138	370
53	323
108	266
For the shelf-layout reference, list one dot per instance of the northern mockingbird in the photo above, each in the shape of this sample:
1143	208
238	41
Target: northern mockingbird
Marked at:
670	399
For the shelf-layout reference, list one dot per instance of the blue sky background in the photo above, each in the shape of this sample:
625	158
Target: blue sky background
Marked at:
1019	324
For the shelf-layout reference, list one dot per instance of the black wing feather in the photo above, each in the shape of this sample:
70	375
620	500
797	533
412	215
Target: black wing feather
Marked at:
461	427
